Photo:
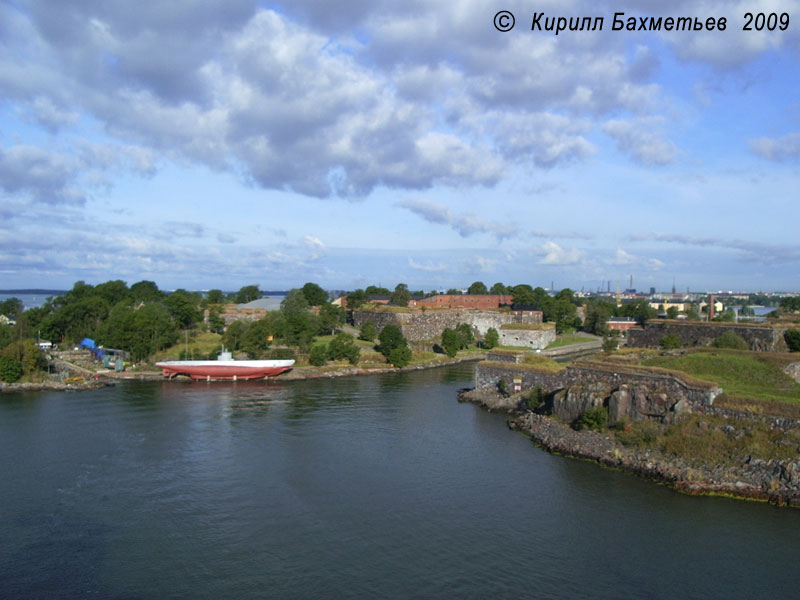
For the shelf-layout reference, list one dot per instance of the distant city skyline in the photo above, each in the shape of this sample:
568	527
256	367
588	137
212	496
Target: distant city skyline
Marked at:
216	145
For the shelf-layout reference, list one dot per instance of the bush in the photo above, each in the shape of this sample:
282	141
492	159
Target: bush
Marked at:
792	337
368	332
491	339
10	369
670	342
501	386
450	342
318	355
536	398
610	343
594	418
400	356
730	340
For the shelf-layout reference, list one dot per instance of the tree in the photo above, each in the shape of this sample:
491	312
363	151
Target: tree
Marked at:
792	338
10	369
498	288
298	326
376	291
11	307
523	295
27	354
390	338
401	295
112	291
356	299
465	335
491	339
790	303
216	324
247	294
726	316
256	339
183	307
450	342
145	291
315	295
453	292
318	355
215	297
597	314
330	317
477	287
639	310
672	312
368	331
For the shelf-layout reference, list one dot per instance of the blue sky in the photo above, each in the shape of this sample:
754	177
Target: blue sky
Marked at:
220	144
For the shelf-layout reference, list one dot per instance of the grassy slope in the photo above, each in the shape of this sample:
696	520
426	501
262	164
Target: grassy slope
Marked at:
740	373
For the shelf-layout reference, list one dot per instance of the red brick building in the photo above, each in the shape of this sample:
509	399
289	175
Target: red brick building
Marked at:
477	301
621	324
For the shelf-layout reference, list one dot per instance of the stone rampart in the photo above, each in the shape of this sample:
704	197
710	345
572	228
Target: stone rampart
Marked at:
638	388
429	324
693	333
529	338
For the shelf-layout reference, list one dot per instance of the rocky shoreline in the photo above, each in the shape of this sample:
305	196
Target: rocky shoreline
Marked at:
61	386
774	481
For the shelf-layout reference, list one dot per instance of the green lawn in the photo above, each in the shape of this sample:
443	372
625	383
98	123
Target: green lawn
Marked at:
739	373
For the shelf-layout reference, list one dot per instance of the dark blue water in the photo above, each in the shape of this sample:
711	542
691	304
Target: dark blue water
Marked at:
371	487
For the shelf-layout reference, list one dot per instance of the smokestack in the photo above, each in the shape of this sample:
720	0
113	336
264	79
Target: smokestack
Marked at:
711	301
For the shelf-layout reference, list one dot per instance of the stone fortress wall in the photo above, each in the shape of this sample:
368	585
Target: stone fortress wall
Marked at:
429	324
758	337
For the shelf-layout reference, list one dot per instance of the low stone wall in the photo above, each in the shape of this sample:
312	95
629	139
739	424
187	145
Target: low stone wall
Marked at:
758	338
529	338
427	325
629	392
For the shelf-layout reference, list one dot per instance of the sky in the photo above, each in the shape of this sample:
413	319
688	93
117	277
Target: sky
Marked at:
204	144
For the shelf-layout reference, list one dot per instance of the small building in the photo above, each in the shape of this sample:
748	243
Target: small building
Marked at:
621	324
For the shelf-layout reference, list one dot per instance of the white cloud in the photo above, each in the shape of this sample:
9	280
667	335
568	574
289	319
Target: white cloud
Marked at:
553	254
643	139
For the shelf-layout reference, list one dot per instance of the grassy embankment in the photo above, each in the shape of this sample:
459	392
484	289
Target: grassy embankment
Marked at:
753	382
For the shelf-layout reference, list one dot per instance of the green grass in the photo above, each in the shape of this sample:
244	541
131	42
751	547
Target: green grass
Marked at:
202	341
568	340
701	439
741	374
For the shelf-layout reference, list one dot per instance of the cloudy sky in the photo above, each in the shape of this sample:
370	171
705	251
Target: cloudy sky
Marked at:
207	144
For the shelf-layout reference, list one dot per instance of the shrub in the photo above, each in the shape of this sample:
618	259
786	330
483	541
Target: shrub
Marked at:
792	337
368	332
400	356
609	344
339	346
730	340
536	398
501	386
670	342
10	369
594	418
318	355
491	339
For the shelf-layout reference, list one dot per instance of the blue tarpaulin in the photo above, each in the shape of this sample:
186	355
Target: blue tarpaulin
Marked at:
87	343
